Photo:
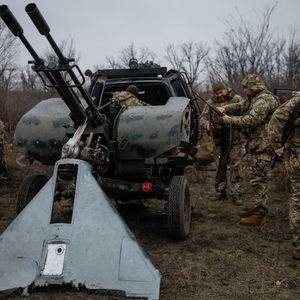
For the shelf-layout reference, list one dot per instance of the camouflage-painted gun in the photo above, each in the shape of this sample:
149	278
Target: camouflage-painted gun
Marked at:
53	72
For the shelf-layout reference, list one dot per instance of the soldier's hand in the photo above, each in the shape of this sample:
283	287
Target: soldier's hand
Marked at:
226	119
279	151
210	127
221	109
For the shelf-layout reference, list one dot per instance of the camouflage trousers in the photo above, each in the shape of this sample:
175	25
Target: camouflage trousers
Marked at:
221	175
259	179
229	167
3	168
292	165
235	163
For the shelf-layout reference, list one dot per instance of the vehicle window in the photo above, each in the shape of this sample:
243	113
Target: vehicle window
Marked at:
153	94
178	88
283	94
96	92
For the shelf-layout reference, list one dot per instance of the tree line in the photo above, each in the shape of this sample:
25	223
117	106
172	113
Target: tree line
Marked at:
244	47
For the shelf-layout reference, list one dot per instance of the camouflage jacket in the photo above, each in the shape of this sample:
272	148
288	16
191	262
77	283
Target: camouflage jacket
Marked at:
126	98
210	117
254	114
277	125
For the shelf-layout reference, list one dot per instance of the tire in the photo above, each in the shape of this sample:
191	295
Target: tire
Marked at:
179	208
29	187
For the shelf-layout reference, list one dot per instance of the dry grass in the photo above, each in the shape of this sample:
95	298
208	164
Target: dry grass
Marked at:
220	260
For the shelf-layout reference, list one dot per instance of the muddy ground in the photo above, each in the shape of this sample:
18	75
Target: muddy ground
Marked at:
220	260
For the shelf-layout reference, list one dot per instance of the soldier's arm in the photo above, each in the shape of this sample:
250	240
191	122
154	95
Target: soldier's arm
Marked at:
277	123
205	117
237	99
236	108
255	116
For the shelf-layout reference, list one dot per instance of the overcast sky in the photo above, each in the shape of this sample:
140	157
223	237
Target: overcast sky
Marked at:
100	28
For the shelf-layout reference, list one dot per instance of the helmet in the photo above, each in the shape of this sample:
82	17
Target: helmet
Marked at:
254	82
133	89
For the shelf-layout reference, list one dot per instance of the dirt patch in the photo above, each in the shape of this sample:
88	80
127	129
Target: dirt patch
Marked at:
220	260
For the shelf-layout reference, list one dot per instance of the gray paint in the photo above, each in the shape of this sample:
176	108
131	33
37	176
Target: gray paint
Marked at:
142	131
151	130
41	131
101	252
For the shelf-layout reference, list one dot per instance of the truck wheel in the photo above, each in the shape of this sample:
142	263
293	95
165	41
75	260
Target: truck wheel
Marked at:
179	208
29	187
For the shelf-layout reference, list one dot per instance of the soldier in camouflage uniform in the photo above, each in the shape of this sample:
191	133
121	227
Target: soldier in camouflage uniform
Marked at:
254	115
291	151
127	98
229	143
3	168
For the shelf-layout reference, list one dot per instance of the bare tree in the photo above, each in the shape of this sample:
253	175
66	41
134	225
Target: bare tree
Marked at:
8	53
246	48
8	69
143	55
30	81
189	58
291	76
67	47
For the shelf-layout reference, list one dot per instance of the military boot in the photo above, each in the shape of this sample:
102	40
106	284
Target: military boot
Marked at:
247	212
257	217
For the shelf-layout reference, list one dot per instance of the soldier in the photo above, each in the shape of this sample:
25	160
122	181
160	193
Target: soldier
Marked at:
254	115
228	143
286	121
3	168
128	97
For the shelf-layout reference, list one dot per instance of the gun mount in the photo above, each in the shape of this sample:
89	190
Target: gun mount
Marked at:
101	145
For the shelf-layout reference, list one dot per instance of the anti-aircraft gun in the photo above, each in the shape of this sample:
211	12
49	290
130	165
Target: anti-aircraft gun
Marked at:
129	153
52	75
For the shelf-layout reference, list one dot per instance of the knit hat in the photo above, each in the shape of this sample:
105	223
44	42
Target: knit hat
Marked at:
218	86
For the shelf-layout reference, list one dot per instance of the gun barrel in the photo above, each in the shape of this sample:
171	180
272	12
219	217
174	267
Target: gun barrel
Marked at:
10	21
17	30
37	18
78	113
42	26
44	29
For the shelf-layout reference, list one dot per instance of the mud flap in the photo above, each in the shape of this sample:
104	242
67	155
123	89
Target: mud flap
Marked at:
95	249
